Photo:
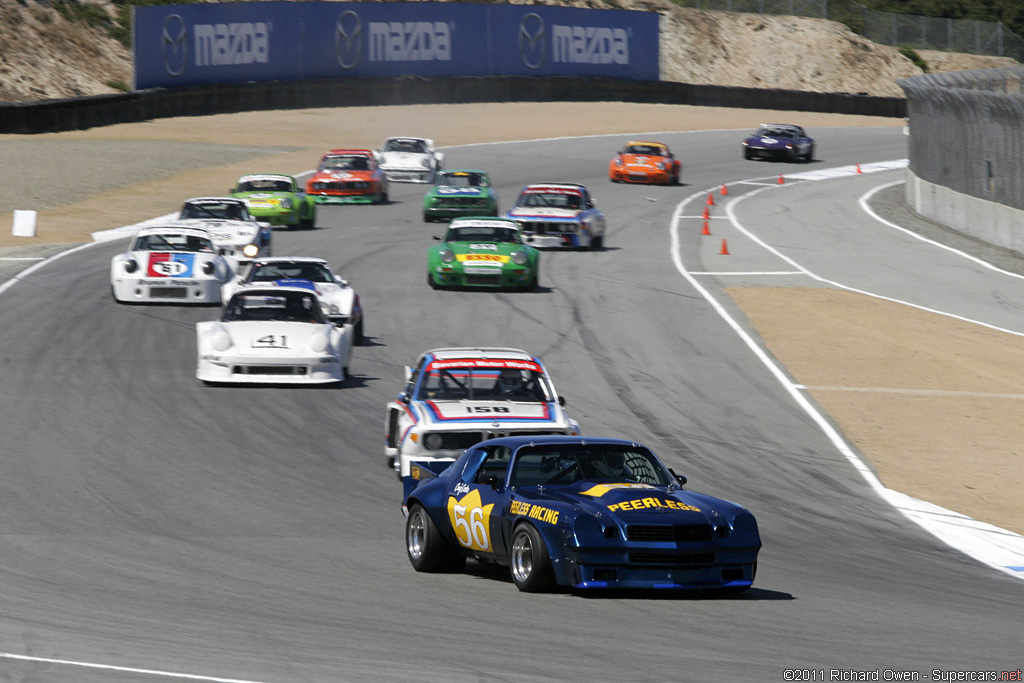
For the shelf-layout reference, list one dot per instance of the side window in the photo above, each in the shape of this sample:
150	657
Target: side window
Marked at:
413	378
495	463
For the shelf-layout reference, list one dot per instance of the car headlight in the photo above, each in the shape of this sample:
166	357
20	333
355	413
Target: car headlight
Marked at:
286	203
318	343
250	250
618	162
222	341
209	267
131	265
447	255
660	165
519	258
332	308
433	441
426	163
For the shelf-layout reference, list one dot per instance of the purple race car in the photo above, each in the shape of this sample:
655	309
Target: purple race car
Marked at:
779	141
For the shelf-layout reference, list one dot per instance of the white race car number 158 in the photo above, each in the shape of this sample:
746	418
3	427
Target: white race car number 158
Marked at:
271	341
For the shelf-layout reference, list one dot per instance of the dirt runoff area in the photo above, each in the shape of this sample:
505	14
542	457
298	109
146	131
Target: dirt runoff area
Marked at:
935	422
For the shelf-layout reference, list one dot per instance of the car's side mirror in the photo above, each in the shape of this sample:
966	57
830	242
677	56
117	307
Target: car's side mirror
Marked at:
437	237
403	398
680	478
561	400
408	373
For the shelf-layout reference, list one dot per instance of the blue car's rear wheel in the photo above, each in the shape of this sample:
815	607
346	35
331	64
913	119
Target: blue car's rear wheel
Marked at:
530	564
428	551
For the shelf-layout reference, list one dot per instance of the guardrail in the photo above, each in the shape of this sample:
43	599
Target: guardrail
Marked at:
80	113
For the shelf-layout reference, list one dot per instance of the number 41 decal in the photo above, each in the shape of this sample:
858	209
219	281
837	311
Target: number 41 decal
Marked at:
272	340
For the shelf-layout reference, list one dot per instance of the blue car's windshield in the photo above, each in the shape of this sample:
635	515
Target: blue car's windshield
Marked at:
554	464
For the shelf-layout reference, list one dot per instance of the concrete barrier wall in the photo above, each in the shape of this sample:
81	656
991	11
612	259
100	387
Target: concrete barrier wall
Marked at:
987	221
103	110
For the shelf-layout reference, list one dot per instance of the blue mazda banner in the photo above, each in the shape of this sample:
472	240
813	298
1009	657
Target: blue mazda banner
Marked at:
531	40
395	39
177	45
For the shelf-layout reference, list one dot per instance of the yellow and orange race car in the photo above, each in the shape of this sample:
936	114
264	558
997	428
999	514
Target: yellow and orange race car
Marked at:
348	176
645	162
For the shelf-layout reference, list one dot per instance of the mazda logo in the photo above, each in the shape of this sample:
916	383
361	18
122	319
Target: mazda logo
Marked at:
531	40
348	39
173	45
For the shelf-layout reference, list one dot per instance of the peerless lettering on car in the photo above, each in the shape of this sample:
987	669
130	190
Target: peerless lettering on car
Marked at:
180	45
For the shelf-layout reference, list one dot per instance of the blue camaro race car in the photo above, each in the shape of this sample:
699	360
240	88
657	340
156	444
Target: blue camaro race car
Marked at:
583	512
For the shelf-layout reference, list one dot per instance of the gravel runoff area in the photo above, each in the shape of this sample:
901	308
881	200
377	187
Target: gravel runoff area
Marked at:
118	175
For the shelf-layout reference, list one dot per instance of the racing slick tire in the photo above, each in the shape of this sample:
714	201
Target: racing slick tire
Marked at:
530	564
428	551
597	242
430	281
357	335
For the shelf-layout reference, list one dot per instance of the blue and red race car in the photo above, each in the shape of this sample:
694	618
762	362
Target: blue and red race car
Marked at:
584	512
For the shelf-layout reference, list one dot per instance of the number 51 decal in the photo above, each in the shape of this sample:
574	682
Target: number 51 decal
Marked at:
471	521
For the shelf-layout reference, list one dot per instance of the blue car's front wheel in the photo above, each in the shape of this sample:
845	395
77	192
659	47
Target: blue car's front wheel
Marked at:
530	563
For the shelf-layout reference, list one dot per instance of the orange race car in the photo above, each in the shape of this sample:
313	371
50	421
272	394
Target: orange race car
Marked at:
645	162
348	176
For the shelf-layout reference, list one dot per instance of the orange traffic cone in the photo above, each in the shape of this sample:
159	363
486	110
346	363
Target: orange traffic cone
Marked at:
711	199
858	168
705	231
705	215
725	190
725	248
781	181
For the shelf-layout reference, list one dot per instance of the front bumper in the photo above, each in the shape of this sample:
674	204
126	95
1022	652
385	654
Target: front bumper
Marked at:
236	369
167	290
497	278
409	175
277	217
346	198
651	176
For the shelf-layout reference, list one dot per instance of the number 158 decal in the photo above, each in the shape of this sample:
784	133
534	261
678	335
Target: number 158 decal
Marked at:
487	409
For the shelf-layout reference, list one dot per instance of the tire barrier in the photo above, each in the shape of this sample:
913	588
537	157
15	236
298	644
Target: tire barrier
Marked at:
79	113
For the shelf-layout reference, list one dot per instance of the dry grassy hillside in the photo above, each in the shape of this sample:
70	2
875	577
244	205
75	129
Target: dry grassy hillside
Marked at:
44	55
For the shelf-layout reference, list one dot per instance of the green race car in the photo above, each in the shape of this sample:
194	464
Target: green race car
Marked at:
460	193
483	252
276	199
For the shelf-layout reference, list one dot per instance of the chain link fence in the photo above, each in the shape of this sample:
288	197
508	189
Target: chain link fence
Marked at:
886	28
966	133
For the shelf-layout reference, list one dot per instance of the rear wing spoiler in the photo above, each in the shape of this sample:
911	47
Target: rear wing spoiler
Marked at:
422	470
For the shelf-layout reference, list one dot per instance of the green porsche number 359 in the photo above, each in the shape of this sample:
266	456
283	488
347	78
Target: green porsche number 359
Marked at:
483	252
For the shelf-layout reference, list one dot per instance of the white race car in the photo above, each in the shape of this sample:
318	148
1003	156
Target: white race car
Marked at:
234	231
456	397
273	335
338	300
559	215
169	264
410	160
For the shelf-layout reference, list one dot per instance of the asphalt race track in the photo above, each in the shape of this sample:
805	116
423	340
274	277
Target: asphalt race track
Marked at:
156	529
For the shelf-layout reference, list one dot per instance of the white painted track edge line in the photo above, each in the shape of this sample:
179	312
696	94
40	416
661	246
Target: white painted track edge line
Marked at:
124	669
911	508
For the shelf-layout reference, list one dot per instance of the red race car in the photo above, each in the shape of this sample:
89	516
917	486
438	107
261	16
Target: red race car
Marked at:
348	176
645	162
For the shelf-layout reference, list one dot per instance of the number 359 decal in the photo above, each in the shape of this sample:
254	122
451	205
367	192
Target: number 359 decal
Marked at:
471	521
